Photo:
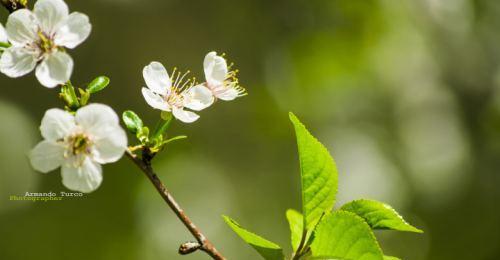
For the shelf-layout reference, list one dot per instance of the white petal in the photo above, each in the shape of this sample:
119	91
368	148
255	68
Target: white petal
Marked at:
47	156
50	14
57	124
3	34
17	61
73	31
22	27
155	100
184	116
85	177
96	119
157	79
110	146
228	94
198	97
55	69
215	68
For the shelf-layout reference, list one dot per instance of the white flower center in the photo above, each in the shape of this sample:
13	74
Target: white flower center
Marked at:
176	100
78	144
43	45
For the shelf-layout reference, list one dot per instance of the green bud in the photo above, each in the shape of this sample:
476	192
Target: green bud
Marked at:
98	84
143	135
132	121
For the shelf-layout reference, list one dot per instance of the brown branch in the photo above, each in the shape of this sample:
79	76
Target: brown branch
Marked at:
205	245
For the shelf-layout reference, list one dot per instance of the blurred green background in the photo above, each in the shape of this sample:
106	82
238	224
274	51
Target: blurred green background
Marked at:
405	94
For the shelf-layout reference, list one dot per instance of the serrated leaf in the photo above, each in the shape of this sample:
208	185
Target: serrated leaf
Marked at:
296	222
267	249
132	121
98	84
345	235
318	175
379	215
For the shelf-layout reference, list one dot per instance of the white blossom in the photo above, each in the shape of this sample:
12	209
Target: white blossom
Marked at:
79	144
220	79
38	39
174	94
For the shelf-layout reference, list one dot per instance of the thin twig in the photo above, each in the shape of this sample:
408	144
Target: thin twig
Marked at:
145	165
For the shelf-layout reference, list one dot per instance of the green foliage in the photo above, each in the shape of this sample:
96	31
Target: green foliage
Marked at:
68	95
132	121
84	96
347	236
73	101
98	84
318	175
4	45
386	257
317	233
296	222
379	215
157	140
267	249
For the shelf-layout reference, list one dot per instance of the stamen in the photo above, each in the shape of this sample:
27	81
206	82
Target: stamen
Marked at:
184	75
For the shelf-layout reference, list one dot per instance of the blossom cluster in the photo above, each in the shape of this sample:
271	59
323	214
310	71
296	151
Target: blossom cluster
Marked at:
82	137
173	94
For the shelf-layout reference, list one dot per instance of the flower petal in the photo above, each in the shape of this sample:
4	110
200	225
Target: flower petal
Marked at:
84	177
96	119
110	146
3	34
184	116
47	156
198	97
56	124
22	26
73	30
17	61
55	69
215	68
157	79
228	94
50	14
155	100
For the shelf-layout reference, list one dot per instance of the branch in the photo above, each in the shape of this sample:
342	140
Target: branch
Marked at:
202	242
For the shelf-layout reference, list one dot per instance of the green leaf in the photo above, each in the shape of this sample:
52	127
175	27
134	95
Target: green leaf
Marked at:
386	257
296	222
379	215
132	121
264	247
345	235
98	84
318	175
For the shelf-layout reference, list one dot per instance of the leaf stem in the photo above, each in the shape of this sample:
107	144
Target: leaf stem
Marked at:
162	126
144	164
298	253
